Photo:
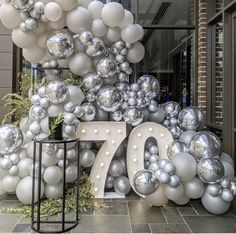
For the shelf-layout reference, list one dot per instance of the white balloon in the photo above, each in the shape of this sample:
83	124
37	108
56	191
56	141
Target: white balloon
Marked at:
113	34
44	125
130	33
78	19
71	173
194	188
84	3
184	200
227	158
24	167
54	191
54	110
59	24
52	175
98	28
136	53
49	160
33	54
95	9
40	29
67	5
24	124
140	31
174	194
80	64
24	39
229	169
128	19
113	14
9	16
53	11
10	182
24	190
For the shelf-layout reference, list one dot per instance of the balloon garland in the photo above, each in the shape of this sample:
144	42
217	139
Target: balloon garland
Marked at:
99	43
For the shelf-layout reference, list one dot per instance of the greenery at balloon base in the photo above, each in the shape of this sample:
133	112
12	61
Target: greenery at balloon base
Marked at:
55	123
51	207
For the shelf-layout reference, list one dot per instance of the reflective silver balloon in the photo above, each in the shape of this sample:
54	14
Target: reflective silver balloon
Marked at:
122	185
109	98
174	181
90	97
225	182
164	178
210	170
214	189
117	116
11	139
145	183
233	187
133	116
150	85
116	168
31	24
154	166
191	118
175	131
96	48
89	112
176	147
60	44
205	144
106	67
36	112
119	45
172	109
22	4
86	37
92	82
56	91
87	158
123	86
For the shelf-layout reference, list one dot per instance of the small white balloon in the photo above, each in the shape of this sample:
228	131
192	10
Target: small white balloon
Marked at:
98	28
136	53
9	183
113	34
53	11
52	175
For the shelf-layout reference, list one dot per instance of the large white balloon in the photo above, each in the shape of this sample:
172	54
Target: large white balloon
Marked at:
80	64
67	5
10	182
113	14
98	28
9	16
52	175
53	11
24	167
24	190
78	20
130	33
23	39
95	9
136	53
34	54
128	19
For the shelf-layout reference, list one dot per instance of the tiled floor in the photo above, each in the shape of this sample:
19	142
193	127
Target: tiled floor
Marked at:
133	215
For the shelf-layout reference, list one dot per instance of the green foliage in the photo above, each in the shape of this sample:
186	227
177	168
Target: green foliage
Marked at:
54	124
73	80
51	207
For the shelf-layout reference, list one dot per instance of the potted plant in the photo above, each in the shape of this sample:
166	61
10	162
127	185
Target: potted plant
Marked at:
56	127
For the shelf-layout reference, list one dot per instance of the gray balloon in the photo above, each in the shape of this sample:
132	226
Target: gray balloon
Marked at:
194	188
210	170
109	98
56	91
122	185
109	184
87	158
106	67
227	195
145	182
172	109
154	166
176	147
187	136
89	112
164	178
175	131
133	116
227	158
169	168
71	173
174	181
123	162
157	116
214	205
60	44
92	82
150	85
205	144
11	138
102	115
214	189
86	145
116	168
225	182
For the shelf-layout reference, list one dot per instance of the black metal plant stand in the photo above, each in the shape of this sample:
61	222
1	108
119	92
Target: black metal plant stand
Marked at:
36	222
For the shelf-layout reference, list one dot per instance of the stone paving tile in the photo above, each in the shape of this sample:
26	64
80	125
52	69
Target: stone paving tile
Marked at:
169	228
141	212
187	211
140	228
112	208
8	222
172	215
4	205
211	224
22	228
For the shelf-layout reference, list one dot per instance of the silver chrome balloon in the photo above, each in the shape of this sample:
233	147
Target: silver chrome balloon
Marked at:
23	5
11	138
36	112
106	67
56	91
191	119
109	98
86	37
133	116
87	158
214	189
176	147
210	170
117	116
150	85
109	184
96	48
89	111
175	131
205	145
60	44
122	185
172	109
145	183
92	82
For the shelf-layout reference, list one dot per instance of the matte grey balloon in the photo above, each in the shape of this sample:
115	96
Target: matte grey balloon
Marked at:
87	158
116	168
106	67
210	170
109	98
92	82
11	138
122	185
205	144
145	183
176	147
60	44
